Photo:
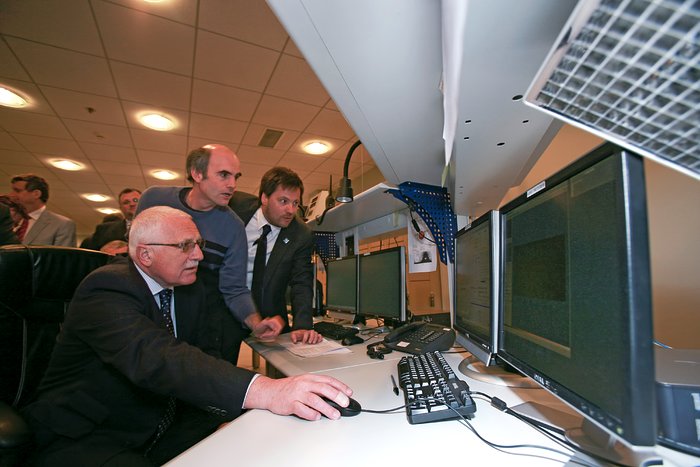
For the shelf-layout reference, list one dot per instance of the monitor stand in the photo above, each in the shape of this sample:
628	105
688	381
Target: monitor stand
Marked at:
588	436
474	369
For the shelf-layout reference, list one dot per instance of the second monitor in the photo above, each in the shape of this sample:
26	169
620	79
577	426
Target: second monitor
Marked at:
382	285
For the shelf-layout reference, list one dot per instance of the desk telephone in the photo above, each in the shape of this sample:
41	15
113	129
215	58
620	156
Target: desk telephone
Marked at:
420	337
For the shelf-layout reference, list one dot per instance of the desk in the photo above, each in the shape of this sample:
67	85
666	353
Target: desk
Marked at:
378	438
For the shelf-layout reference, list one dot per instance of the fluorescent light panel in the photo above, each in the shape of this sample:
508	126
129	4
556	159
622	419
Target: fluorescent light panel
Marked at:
629	71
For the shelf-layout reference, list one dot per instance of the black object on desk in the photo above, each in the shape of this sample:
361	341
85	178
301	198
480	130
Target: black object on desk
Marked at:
333	330
419	337
431	389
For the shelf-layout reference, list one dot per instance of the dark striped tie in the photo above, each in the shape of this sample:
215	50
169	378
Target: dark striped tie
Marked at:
256	287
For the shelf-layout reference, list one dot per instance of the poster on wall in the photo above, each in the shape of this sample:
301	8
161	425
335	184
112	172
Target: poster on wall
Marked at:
422	252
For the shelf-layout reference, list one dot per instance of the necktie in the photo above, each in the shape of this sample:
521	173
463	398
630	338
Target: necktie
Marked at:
259	265
22	229
165	297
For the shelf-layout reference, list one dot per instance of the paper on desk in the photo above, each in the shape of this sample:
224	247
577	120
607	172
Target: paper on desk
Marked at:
314	350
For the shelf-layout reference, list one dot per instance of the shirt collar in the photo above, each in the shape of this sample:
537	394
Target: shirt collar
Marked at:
37	213
153	286
261	220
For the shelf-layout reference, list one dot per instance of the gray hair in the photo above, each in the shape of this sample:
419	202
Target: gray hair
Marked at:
150	224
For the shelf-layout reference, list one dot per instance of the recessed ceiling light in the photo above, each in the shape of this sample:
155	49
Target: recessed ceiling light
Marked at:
96	197
108	210
66	164
10	98
164	174
158	122
317	147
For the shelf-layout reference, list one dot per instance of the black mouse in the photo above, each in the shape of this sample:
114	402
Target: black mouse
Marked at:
352	340
351	410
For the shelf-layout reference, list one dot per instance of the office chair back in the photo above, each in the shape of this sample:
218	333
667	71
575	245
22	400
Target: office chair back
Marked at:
36	285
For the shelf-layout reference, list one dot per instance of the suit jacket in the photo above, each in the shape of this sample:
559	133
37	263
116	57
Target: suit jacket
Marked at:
51	229
115	364
105	233
7	236
289	265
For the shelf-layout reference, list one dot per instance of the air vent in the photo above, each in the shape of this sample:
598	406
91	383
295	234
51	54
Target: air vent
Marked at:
270	138
628	71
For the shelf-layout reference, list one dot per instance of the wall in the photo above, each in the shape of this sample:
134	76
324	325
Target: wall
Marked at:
673	205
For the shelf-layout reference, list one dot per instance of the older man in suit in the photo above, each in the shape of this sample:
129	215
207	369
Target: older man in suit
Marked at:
132	383
285	245
44	226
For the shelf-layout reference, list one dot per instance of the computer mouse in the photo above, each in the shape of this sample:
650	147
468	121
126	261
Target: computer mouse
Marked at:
351	410
352	340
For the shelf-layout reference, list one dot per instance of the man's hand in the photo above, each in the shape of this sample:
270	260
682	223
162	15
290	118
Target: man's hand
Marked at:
306	336
265	329
298	395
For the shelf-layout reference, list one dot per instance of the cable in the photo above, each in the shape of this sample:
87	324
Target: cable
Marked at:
416	227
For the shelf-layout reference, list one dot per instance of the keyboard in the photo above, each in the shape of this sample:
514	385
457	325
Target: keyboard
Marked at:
333	330
419	338
429	386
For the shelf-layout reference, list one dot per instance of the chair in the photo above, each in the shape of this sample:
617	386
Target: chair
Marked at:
36	285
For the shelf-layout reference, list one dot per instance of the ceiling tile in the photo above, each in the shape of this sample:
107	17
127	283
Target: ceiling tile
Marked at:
106	152
242	19
216	128
301	161
223	101
182	11
99	133
257	155
10	66
51	146
8	142
159	141
141	84
114	168
11	157
235	63
63	68
163	160
255	132
283	113
331	123
34	96
252	173
291	48
72	104
36	20
294	79
151	40
16	121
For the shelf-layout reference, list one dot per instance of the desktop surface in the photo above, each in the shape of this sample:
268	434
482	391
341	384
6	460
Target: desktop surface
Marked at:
376	438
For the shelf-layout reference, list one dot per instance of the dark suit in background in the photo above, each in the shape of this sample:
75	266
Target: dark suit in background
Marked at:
7	236
105	233
289	265
114	365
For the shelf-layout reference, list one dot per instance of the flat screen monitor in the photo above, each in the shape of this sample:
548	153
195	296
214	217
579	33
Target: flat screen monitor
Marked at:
476	315
341	285
576	304
382	289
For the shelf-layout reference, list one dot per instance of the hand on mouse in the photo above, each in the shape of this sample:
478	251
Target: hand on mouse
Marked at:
298	395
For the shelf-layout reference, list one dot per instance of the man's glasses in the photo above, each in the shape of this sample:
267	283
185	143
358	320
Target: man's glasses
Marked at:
186	246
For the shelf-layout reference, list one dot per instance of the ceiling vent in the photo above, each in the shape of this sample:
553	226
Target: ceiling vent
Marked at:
270	138
629	72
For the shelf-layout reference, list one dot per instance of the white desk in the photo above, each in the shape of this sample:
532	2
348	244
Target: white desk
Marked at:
260	438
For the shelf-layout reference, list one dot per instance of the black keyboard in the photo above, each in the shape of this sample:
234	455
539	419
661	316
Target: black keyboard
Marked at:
419	338
333	330
432	390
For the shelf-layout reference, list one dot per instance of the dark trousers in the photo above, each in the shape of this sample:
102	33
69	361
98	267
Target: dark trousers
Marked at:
190	426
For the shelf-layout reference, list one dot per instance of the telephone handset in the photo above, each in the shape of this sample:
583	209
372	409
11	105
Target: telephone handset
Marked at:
420	337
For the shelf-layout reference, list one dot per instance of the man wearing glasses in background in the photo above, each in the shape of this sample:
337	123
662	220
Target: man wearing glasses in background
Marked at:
213	171
138	383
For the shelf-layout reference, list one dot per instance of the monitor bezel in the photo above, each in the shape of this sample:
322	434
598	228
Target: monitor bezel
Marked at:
389	320
483	350
341	308
639	415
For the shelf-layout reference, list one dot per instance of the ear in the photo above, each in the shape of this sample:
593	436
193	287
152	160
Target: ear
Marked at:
196	176
264	199
144	256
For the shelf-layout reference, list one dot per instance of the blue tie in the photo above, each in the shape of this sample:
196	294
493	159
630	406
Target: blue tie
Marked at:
165	297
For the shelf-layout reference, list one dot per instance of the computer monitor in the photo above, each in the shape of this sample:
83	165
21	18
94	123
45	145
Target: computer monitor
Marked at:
382	286
341	285
477	256
576	303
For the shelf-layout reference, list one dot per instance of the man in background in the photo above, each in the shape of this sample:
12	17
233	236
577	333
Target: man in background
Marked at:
133	384
43	226
285	245
107	232
213	171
